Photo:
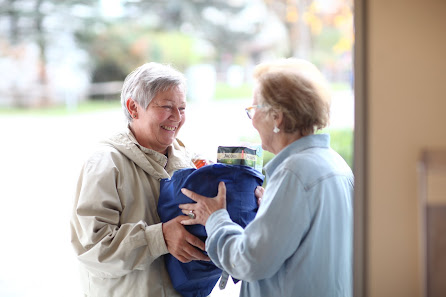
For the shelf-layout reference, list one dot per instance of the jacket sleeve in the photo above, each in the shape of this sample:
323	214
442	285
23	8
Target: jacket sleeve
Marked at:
107	247
258	251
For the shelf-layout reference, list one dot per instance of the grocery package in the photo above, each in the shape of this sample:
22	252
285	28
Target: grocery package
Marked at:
201	162
198	278
251	156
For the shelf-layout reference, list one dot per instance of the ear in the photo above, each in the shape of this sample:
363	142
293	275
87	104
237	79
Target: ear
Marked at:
131	106
277	117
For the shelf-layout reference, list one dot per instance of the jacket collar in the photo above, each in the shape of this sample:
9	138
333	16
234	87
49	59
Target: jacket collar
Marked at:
304	143
154	163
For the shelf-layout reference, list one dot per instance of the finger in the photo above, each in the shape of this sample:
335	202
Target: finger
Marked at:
190	252
221	189
259	192
189	222
192	195
193	252
186	207
221	196
185	211
182	259
195	241
260	189
205	258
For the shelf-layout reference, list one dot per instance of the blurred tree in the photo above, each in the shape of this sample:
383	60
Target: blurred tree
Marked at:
292	12
119	48
318	30
37	21
222	23
174	31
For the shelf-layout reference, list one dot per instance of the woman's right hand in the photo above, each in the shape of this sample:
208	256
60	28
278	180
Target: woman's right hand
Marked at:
204	206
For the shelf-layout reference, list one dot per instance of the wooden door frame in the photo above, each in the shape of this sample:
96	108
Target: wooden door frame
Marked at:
360	150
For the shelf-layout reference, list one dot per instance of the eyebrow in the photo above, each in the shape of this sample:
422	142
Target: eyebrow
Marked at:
164	101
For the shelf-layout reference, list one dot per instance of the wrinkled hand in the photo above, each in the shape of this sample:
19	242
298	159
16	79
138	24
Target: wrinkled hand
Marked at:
259	194
204	207
182	244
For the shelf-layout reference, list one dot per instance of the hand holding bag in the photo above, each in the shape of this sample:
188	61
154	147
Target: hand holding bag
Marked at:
198	278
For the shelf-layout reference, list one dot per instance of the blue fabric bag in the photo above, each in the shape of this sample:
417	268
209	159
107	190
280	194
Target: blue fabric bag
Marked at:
198	278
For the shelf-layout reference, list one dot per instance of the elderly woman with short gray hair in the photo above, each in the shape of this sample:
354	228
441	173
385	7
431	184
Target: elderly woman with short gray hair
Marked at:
115	228
300	242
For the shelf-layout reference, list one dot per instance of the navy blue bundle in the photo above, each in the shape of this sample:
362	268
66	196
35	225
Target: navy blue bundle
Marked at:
198	278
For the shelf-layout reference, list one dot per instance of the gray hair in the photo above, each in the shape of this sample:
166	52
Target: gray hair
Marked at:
298	89
146	81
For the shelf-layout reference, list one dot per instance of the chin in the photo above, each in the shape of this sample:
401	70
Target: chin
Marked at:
169	141
263	143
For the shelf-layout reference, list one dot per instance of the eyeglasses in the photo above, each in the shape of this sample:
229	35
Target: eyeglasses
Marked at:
250	110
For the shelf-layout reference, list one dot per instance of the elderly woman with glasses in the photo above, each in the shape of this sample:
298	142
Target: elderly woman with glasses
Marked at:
300	242
115	228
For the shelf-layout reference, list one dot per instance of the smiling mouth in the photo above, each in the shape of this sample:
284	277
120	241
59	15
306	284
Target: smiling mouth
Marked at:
169	128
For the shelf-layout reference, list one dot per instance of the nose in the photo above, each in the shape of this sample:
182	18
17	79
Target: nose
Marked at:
176	114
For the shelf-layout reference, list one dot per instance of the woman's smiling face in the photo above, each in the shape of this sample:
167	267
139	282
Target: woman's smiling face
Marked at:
157	126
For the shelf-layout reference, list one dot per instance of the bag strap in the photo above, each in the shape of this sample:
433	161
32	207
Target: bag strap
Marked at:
223	280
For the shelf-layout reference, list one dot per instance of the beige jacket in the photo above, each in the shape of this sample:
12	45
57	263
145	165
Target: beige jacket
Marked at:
115	228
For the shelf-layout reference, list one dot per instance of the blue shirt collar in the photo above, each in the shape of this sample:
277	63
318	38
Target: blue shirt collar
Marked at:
306	142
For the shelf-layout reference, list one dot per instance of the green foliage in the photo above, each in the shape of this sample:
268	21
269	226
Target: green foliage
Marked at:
327	39
322	54
340	86
267	156
124	47
62	110
341	140
167	45
224	91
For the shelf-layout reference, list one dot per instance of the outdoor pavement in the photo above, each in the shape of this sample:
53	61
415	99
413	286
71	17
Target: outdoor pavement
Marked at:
40	160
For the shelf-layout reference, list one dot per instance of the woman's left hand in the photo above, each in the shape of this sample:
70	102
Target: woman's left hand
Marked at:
199	212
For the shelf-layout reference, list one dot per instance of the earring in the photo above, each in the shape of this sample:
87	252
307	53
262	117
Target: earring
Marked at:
134	116
276	130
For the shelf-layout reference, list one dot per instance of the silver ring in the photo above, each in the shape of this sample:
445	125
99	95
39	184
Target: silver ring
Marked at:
191	214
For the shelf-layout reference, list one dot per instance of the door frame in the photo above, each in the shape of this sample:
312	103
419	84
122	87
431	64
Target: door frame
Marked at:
360	151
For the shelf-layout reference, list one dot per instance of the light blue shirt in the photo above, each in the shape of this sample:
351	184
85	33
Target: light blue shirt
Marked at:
301	240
